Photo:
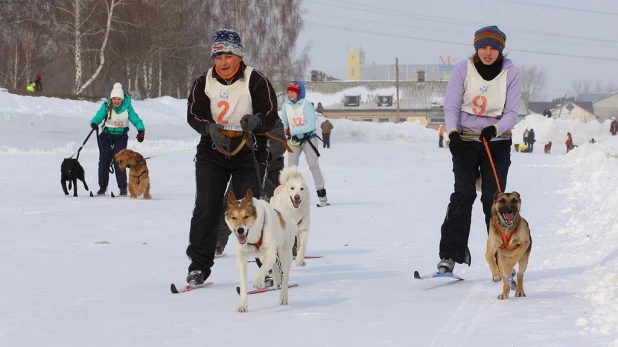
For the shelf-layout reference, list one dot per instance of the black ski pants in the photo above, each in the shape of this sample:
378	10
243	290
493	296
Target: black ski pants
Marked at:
467	166
213	171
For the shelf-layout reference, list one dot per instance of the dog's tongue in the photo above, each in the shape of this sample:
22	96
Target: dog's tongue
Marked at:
242	239
296	203
508	217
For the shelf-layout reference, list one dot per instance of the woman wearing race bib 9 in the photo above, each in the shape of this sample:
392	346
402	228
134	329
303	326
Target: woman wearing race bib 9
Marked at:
116	113
481	104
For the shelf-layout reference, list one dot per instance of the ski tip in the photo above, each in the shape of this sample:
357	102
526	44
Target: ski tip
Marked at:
174	289
417	275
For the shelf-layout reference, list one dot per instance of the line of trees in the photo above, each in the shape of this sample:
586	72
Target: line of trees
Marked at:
153	47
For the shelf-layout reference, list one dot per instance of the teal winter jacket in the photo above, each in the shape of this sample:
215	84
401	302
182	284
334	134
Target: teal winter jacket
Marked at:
101	116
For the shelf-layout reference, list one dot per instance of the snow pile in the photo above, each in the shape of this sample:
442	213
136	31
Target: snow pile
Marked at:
592	224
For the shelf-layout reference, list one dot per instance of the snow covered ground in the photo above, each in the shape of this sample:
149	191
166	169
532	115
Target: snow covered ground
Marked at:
96	272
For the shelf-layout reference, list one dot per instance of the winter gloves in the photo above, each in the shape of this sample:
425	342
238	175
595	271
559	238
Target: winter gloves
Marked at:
218	139
94	126
455	142
140	136
249	122
488	133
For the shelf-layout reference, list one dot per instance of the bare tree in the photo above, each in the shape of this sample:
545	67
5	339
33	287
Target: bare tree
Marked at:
581	87
82	24
533	83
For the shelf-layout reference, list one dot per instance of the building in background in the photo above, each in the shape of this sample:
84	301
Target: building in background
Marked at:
359	70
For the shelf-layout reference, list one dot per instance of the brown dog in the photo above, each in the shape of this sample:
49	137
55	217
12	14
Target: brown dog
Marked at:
547	148
139	181
509	237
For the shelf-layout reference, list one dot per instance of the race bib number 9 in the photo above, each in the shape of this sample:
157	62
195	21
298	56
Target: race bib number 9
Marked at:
480	105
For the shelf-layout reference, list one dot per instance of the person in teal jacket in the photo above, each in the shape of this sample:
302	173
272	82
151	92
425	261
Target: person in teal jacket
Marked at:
115	114
299	119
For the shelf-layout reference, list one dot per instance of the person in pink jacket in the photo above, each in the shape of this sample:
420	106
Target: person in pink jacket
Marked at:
481	104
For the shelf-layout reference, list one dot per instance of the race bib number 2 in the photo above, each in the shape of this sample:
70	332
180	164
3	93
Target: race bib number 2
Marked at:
226	107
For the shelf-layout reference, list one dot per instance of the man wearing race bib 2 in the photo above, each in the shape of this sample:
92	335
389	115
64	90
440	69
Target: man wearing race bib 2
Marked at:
225	104
481	104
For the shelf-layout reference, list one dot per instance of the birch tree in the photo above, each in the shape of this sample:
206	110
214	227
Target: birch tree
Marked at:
81	25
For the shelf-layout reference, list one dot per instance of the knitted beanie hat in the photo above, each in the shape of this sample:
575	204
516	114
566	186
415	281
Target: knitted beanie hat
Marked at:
117	91
293	87
490	36
226	41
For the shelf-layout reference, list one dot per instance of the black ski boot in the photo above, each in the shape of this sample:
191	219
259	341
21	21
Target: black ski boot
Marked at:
123	191
102	190
195	277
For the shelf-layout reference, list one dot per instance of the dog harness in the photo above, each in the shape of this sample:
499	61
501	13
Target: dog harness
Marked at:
506	239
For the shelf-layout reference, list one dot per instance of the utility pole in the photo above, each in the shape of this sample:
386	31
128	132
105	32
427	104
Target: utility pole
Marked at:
397	86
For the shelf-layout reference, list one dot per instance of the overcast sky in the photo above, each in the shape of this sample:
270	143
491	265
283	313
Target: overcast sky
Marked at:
420	32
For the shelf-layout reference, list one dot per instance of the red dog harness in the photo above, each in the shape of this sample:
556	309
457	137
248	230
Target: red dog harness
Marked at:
506	239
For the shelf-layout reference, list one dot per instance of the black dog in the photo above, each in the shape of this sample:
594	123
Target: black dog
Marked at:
71	171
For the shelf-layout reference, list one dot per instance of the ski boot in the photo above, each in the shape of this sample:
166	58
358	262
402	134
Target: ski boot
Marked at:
446	266
123	191
102	190
322	197
268	280
195	277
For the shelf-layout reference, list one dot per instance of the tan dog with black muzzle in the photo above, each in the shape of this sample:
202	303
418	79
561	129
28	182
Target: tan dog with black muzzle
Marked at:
509	237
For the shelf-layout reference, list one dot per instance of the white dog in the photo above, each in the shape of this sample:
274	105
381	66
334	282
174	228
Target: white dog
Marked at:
265	233
294	198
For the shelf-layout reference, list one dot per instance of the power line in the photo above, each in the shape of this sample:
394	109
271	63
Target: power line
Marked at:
556	7
428	18
377	33
586	43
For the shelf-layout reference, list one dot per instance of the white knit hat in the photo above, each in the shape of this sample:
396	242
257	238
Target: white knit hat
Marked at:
117	91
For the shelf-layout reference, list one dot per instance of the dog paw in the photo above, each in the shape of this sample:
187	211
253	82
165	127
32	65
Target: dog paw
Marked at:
258	283
519	294
496	278
283	301
503	296
241	308
300	262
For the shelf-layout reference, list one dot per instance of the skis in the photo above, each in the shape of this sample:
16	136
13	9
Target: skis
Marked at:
266	289
220	255
437	275
188	287
112	195
324	205
306	257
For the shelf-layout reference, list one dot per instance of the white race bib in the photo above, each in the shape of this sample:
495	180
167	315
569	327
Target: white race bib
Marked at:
228	103
484	98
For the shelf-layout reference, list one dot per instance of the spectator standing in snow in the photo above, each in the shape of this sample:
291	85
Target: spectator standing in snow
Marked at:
38	84
613	127
477	108
569	142
327	127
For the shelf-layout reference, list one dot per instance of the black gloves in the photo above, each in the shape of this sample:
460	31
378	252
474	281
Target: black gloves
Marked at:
218	139
249	122
140	136
455	142
488	133
94	126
